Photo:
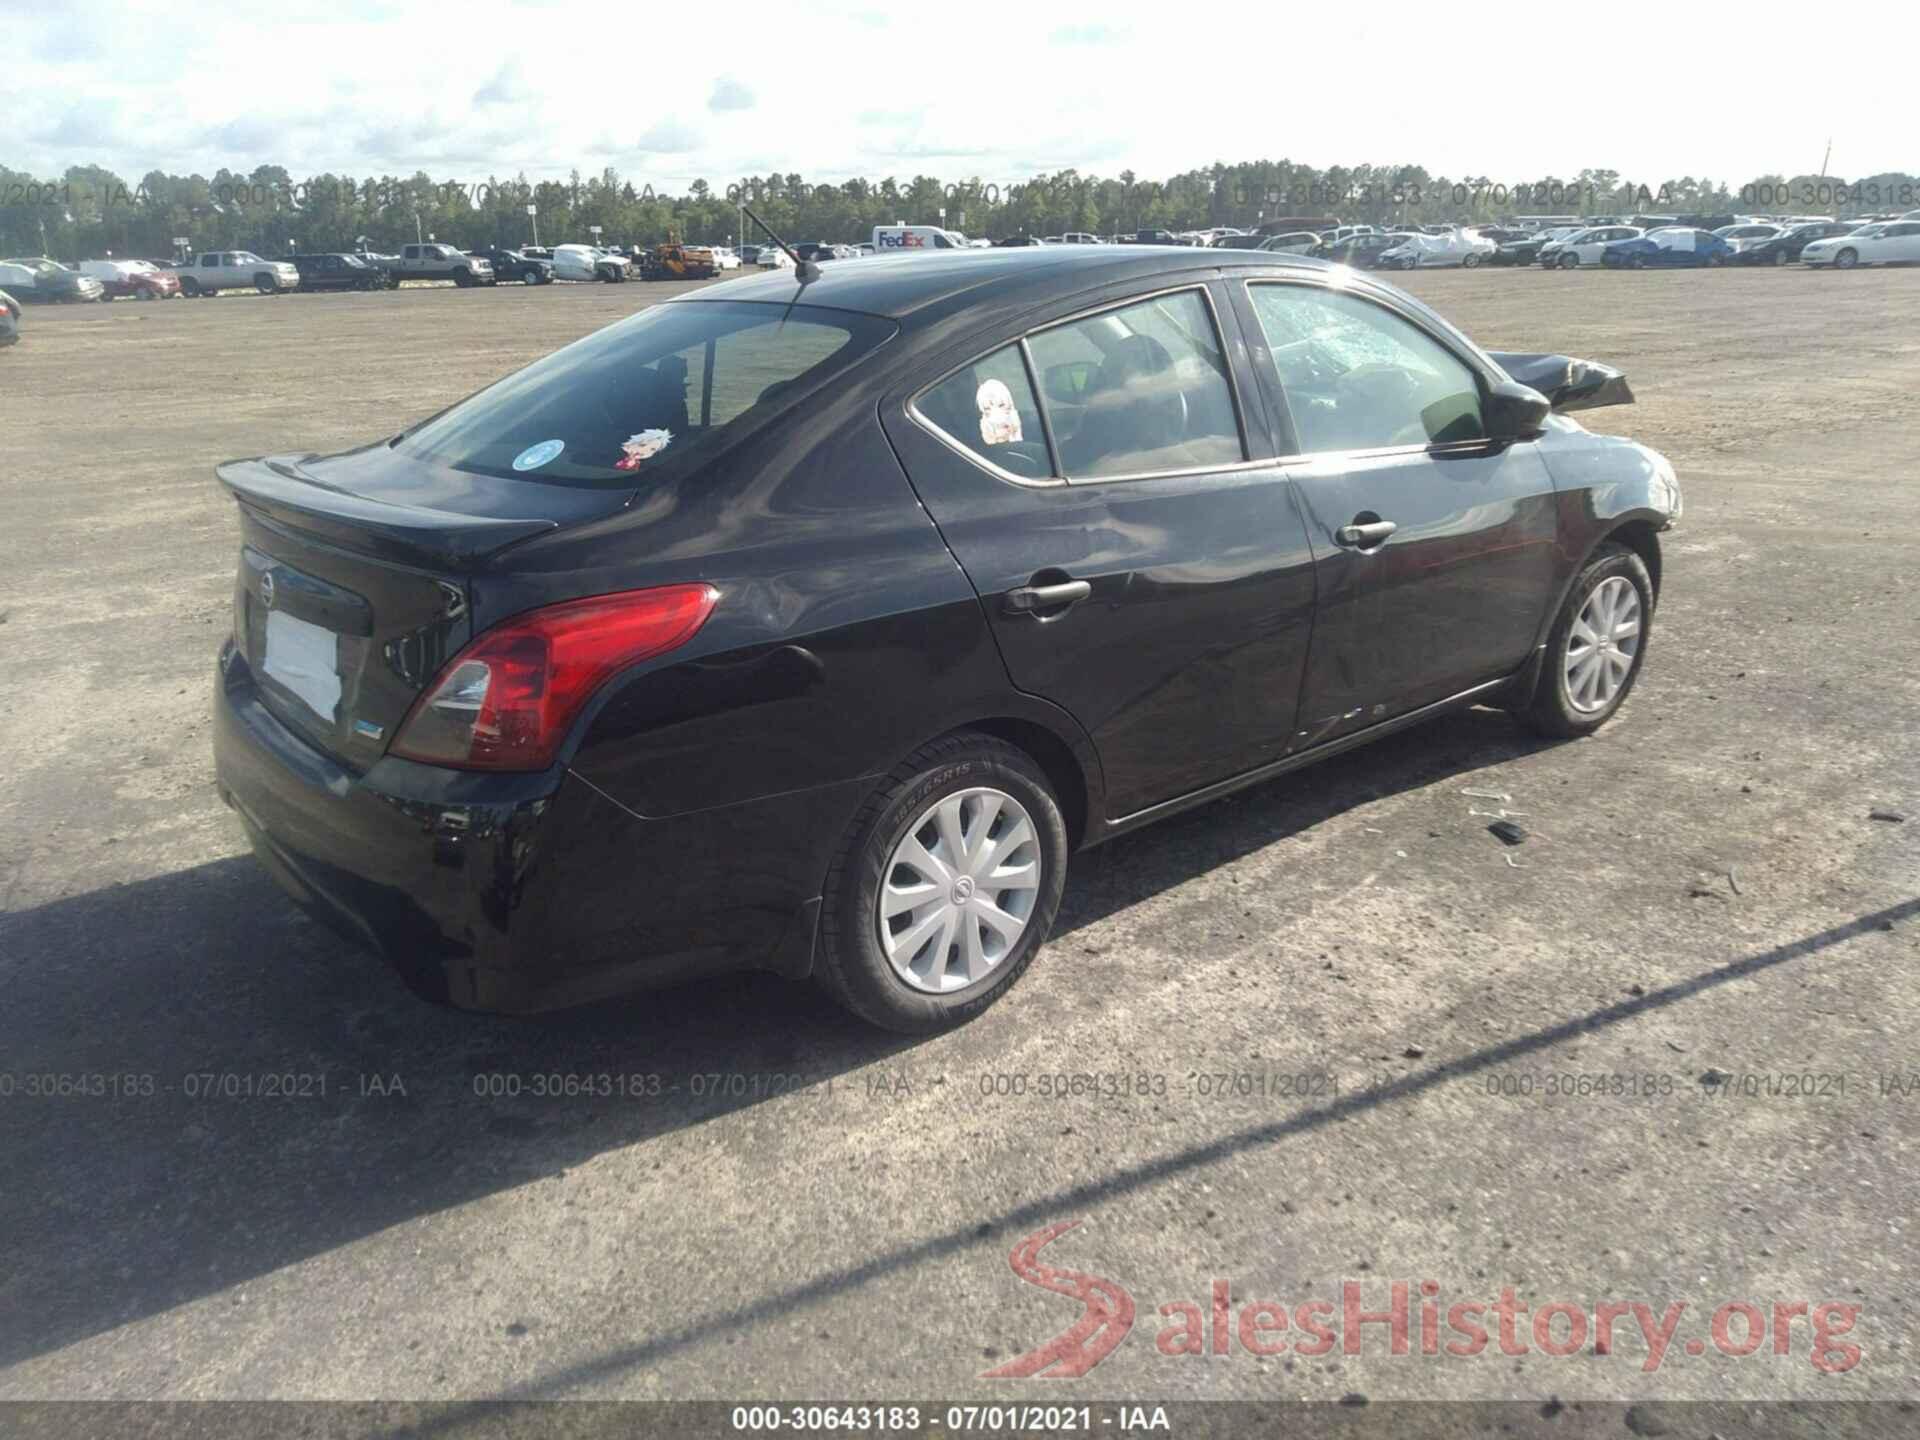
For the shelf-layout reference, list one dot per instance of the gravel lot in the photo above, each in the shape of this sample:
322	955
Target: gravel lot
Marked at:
1705	894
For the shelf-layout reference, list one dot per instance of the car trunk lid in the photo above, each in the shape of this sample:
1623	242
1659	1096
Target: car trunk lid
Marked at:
353	583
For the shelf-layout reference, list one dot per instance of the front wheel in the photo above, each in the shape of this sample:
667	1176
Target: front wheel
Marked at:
945	887
1597	646
266	284
1568	260
1846	260
1472	262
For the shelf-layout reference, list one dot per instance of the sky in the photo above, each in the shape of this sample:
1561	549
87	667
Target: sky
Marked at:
669	93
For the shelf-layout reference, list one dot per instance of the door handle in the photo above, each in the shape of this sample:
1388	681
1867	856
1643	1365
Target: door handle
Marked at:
1364	536
1029	598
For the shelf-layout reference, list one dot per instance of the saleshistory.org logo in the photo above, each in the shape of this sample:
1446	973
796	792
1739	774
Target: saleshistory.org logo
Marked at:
1403	1327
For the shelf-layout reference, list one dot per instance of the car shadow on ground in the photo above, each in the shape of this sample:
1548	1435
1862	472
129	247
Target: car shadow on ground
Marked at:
204	1086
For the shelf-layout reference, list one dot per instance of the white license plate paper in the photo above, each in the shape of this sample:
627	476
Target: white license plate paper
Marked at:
305	658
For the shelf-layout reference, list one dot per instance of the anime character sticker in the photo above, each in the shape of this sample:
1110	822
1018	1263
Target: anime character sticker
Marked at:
640	447
999	421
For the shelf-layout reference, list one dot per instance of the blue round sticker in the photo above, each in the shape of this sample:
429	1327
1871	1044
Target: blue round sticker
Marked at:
534	456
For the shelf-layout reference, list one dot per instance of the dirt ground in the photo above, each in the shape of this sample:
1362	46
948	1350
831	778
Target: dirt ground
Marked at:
1336	1031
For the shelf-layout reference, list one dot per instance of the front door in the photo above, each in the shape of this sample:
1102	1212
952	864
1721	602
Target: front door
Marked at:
1437	552
1136	566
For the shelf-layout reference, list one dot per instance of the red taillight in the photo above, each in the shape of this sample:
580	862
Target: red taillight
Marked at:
507	700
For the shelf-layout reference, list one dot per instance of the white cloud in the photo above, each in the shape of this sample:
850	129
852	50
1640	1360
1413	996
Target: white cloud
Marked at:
371	86
670	137
730	94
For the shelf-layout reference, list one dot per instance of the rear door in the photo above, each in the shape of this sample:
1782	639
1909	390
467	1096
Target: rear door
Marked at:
1107	483
1437	551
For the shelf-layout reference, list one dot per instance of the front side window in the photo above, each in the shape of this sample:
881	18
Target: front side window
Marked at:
655	395
1358	377
1139	390
989	407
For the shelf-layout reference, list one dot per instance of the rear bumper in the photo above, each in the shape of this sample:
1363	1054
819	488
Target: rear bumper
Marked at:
510	893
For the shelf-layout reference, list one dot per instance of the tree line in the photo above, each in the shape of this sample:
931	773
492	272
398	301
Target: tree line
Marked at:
90	211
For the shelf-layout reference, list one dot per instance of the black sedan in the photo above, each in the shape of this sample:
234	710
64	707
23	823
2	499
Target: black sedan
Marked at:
517	265
1785	249
812	626
341	272
1363	252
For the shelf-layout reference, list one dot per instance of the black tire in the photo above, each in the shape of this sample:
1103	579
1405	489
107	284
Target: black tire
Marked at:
189	287
1846	259
850	963
1780	257
266	284
1568	260
1551	710
1470	262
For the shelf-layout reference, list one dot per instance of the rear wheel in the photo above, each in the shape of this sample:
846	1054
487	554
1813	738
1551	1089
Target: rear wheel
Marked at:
1472	262
1780	257
1597	646
945	887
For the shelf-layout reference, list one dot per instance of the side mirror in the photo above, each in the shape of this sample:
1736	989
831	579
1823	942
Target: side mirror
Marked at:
1067	383
1515	411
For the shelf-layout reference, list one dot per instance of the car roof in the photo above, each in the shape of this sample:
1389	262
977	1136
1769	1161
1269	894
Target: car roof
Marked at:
901	286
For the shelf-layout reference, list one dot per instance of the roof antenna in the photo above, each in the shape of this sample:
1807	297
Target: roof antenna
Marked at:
803	270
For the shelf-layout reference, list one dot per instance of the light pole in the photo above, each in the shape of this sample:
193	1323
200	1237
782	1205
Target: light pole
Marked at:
533	214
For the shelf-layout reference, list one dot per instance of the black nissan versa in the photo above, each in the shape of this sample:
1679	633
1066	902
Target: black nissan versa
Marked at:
812	626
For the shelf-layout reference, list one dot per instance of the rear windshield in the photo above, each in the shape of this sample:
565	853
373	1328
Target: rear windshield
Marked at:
658	393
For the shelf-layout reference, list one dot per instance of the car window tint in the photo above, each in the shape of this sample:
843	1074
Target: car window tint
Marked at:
1358	377
1139	389
989	407
632	401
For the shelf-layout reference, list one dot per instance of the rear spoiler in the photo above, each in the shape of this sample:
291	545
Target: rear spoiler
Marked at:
1567	383
408	534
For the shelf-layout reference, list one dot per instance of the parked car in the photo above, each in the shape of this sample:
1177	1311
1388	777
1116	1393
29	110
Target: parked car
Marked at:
435	261
132	279
772	257
1741	236
10	319
1584	247
1148	237
216	270
1671	248
1526	249
587	262
1437	252
724	257
42	281
340	272
542	742
1015	241
1785	248
1081	237
517	265
1362	250
1291	242
1896	242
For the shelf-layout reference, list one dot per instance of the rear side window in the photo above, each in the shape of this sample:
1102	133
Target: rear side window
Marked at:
989	408
657	394
1358	377
1139	390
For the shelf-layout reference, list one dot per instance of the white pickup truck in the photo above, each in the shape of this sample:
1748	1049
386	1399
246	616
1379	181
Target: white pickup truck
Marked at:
442	262
219	270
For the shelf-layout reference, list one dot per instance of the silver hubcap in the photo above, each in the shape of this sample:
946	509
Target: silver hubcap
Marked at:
959	890
1601	646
